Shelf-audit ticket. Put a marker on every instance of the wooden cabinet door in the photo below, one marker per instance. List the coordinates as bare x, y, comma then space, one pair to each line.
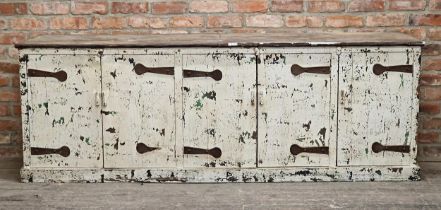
377, 107
139, 110
296, 109
64, 122
219, 118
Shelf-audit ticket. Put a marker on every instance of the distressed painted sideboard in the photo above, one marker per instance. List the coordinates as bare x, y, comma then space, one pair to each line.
220, 108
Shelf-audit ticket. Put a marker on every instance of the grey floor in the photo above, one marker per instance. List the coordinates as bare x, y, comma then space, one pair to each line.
425, 194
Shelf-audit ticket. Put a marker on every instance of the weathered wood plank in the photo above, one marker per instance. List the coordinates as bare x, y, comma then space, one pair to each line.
295, 111
223, 40
139, 110
64, 123
377, 108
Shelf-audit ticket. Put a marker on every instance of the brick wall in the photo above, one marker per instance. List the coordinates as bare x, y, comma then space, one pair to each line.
21, 20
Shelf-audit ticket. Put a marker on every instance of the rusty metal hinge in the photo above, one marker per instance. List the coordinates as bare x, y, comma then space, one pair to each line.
141, 148
297, 70
215, 152
296, 149
141, 69
216, 74
59, 75
63, 151
377, 147
380, 69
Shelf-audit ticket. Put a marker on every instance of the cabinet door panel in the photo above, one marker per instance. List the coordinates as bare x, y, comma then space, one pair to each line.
65, 124
218, 112
377, 108
139, 117
295, 109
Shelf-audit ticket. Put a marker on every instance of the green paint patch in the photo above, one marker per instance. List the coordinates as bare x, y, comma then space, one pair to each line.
198, 104
46, 105
402, 80
406, 137
58, 122
210, 95
87, 140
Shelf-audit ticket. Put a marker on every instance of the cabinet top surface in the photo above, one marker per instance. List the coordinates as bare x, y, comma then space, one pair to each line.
223, 40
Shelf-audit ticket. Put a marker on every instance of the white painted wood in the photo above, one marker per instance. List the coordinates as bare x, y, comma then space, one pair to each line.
225, 175
219, 113
296, 109
376, 108
63, 113
140, 109
136, 109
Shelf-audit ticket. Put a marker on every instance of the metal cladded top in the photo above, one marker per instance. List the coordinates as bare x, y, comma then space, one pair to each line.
222, 40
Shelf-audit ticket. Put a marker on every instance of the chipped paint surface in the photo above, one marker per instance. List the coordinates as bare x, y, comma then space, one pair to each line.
377, 108
213, 175
295, 109
63, 113
219, 114
142, 111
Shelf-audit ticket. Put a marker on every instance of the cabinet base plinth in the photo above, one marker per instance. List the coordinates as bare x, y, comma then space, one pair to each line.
209, 175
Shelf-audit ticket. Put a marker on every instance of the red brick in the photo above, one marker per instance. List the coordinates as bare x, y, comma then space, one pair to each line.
187, 22
430, 107
430, 93
50, 8
342, 21
209, 6
264, 20
434, 123
426, 20
11, 152
249, 5
15, 81
431, 49
314, 21
223, 21
3, 24
386, 20
13, 53
109, 22
287, 5
4, 109
129, 8
9, 67
16, 110
427, 137
430, 79
28, 24
326, 6
10, 95
68, 23
431, 64
4, 80
89, 7
419, 33
177, 7
435, 5
366, 6
13, 8
11, 37
401, 5
434, 34
10, 125
296, 21
147, 22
